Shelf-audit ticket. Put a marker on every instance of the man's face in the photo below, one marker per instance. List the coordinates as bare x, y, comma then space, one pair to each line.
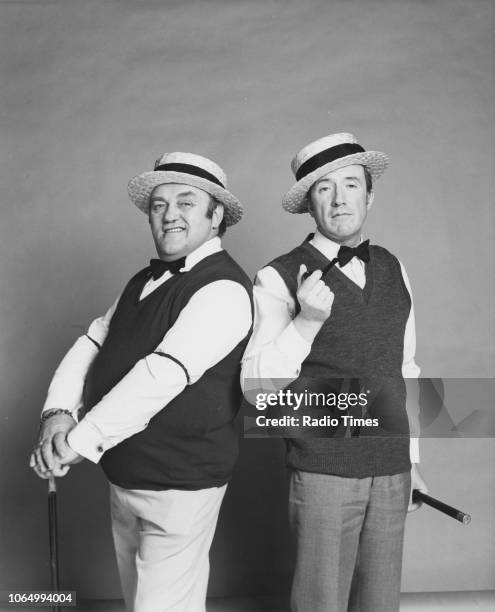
178, 219
339, 204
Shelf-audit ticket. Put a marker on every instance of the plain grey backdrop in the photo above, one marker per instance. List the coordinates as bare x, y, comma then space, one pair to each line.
92, 92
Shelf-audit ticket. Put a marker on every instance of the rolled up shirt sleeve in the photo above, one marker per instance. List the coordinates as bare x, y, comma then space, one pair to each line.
210, 326
276, 350
66, 387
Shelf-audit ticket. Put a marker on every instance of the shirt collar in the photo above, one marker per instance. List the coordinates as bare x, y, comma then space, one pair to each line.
214, 245
327, 247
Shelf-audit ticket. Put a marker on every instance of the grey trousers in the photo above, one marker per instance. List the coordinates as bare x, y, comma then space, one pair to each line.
349, 534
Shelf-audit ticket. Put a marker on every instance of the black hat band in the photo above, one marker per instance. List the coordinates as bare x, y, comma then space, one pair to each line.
190, 169
327, 156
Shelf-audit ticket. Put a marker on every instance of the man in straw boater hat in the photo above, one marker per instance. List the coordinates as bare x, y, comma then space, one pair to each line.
339, 310
152, 389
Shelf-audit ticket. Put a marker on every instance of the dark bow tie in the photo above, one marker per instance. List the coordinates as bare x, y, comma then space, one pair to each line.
346, 253
159, 267
344, 256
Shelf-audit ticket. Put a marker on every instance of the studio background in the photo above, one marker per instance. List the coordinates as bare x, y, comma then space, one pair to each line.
93, 92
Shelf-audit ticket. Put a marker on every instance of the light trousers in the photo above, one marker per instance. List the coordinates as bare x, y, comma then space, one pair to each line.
162, 541
349, 536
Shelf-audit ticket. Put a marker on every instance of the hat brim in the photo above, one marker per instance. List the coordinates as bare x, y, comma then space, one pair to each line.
295, 200
141, 186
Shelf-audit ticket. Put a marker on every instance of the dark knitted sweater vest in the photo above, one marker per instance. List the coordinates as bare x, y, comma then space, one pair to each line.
191, 443
362, 339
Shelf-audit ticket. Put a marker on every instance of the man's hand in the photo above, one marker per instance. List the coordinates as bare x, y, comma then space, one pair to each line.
417, 482
42, 459
64, 453
315, 301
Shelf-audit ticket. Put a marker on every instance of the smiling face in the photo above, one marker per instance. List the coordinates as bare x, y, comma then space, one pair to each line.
339, 204
179, 221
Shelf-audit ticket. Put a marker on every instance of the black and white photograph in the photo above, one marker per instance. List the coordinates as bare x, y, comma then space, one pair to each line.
247, 323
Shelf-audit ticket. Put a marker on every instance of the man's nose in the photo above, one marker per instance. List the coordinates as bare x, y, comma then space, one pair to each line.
338, 197
170, 213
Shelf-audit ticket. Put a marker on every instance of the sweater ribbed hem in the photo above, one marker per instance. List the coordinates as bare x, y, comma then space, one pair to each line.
359, 458
166, 485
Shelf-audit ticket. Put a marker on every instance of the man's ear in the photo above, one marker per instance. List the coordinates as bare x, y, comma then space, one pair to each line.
369, 199
309, 204
217, 216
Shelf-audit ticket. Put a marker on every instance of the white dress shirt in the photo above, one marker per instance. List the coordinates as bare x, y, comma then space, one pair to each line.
276, 350
214, 321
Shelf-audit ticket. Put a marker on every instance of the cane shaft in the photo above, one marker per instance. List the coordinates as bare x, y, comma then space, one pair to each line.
326, 269
460, 516
329, 266
52, 530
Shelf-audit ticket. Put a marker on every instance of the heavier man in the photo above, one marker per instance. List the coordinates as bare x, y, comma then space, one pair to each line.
152, 389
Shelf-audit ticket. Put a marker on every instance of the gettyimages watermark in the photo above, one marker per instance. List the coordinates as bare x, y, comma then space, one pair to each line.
363, 407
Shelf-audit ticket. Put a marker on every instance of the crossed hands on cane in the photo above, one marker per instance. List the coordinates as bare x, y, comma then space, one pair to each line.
52, 456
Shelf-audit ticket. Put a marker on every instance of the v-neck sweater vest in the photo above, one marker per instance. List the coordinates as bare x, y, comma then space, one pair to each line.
191, 443
361, 344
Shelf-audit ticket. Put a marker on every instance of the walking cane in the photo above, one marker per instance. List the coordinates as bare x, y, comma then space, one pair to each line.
52, 530
458, 515
326, 269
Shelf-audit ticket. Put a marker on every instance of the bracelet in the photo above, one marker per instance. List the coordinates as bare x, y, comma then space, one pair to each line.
49, 413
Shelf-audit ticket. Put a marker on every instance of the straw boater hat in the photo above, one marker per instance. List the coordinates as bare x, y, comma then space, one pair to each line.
322, 156
187, 169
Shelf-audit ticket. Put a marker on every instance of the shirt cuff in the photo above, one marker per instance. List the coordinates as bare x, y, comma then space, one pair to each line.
86, 440
293, 346
414, 450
